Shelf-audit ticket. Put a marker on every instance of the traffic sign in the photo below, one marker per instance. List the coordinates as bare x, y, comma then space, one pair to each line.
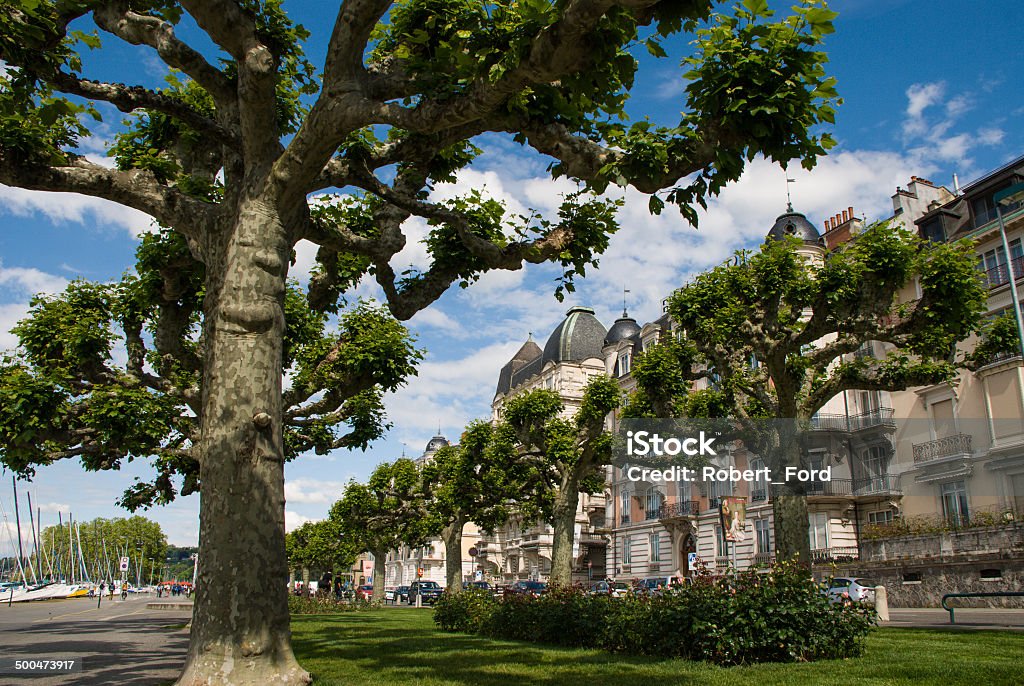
419, 572
691, 561
124, 564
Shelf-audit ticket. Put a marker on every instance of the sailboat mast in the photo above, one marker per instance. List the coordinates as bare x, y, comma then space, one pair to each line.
71, 548
35, 541
17, 523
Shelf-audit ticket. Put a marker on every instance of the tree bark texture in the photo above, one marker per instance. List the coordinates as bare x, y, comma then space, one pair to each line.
379, 572
451, 536
240, 626
566, 501
789, 505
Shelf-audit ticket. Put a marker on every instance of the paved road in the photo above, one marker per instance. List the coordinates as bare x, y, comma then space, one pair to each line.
966, 618
122, 642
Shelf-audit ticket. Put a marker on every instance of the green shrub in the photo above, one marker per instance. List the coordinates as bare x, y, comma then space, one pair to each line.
781, 616
467, 611
323, 605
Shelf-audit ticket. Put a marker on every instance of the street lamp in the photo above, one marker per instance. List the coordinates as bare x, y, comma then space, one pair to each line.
1008, 196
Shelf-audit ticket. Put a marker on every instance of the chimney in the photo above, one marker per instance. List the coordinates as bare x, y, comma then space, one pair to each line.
851, 211
828, 226
846, 217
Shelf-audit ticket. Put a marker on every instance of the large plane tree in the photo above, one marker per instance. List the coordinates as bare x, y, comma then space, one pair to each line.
229, 153
778, 333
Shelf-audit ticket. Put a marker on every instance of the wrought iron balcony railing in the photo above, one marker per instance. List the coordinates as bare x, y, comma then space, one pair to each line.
881, 416
839, 554
686, 508
881, 484
947, 446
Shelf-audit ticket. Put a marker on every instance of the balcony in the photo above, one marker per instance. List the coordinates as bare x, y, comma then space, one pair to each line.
880, 485
764, 559
831, 488
881, 416
843, 554
652, 513
957, 445
758, 495
1000, 275
624, 519
686, 508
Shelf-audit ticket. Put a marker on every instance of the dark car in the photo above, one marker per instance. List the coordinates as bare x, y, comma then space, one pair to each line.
534, 588
402, 594
482, 586
427, 591
615, 589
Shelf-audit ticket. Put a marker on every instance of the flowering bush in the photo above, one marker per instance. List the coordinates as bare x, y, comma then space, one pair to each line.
781, 616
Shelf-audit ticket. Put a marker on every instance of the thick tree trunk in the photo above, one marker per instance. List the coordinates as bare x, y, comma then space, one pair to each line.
379, 571
240, 632
789, 506
566, 501
451, 536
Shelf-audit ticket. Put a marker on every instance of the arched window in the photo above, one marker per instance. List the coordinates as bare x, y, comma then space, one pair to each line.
624, 506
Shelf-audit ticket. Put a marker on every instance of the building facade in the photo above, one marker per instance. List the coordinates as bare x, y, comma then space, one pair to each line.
951, 452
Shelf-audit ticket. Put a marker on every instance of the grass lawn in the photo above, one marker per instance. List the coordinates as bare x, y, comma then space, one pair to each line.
399, 646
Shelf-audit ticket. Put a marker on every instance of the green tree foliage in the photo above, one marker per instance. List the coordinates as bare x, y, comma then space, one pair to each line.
565, 456
319, 546
779, 333
228, 153
64, 394
475, 481
98, 544
390, 510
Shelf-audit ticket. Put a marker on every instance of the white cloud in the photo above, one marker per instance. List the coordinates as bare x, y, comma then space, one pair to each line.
991, 136
54, 507
449, 392
10, 314
71, 207
30, 280
310, 490
293, 520
921, 96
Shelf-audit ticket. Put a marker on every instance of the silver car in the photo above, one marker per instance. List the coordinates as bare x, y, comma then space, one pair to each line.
857, 589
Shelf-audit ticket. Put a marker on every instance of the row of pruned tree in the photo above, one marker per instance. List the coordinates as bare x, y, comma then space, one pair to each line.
776, 333
534, 463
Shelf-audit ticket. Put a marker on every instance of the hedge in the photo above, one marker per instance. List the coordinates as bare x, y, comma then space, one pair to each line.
778, 616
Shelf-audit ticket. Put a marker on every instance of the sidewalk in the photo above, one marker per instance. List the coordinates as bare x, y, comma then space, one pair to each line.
121, 642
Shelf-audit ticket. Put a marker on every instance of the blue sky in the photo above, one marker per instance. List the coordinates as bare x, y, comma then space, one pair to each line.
930, 89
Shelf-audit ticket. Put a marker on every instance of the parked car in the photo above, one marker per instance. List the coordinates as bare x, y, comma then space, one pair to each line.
482, 586
402, 594
615, 589
429, 591
534, 588
652, 585
857, 589
364, 592
389, 595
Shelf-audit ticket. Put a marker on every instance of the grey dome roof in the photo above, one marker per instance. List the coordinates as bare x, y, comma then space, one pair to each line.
578, 337
795, 224
436, 443
623, 328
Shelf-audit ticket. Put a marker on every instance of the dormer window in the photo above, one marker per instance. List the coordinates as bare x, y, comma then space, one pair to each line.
623, 363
